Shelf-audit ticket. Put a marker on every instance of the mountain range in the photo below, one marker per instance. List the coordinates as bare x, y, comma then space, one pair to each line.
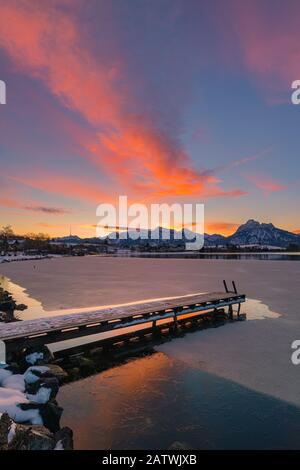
252, 233
256, 233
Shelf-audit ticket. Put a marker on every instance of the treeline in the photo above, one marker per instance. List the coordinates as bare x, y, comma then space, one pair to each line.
29, 241
37, 242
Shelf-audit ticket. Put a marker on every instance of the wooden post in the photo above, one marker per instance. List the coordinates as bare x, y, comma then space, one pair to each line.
225, 285
230, 312
175, 319
175, 323
234, 287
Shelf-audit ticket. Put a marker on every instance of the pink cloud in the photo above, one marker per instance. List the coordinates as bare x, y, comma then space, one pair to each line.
266, 183
267, 35
69, 187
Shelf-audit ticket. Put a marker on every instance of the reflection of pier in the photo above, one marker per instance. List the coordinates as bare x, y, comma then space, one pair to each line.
138, 319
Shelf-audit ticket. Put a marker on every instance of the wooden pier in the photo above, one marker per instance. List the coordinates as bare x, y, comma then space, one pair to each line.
149, 316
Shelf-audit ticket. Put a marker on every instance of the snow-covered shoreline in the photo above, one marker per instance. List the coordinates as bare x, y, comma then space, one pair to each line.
29, 413
23, 257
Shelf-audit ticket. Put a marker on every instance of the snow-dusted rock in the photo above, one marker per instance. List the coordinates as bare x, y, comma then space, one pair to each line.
64, 439
34, 357
32, 438
5, 424
28, 416
15, 436
51, 414
42, 396
11, 402
55, 371
34, 373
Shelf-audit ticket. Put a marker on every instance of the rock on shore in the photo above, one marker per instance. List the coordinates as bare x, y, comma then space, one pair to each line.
15, 436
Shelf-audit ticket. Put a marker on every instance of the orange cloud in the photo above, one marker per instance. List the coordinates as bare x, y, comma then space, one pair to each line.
45, 41
224, 228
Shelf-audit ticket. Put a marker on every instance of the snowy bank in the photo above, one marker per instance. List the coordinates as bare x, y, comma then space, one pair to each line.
29, 413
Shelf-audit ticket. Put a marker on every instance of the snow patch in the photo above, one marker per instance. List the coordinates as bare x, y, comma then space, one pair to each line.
59, 446
12, 432
15, 382
4, 374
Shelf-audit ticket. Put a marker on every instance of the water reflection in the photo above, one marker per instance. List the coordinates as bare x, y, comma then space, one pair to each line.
292, 256
157, 402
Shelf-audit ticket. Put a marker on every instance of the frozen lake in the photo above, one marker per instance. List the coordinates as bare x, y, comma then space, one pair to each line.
239, 370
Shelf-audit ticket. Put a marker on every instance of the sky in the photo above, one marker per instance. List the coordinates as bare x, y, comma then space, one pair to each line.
165, 101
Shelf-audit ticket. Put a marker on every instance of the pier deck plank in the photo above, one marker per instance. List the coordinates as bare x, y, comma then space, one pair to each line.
48, 325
